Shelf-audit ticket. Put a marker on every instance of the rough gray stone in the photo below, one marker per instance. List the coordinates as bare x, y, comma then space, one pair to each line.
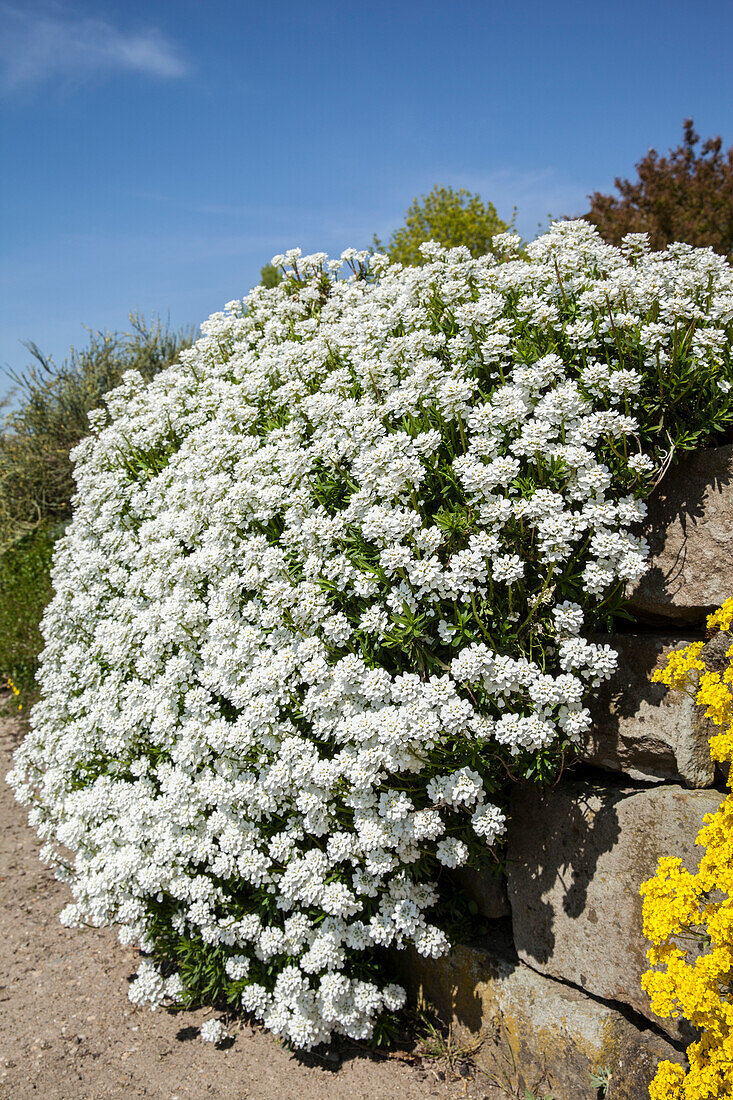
690, 532
643, 729
576, 858
538, 1034
715, 651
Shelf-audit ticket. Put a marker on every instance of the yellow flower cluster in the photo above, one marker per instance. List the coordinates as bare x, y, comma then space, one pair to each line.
15, 690
697, 909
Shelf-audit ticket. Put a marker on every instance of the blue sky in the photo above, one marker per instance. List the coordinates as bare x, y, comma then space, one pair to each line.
155, 155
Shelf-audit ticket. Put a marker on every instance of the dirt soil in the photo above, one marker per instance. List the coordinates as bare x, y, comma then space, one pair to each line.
69, 1032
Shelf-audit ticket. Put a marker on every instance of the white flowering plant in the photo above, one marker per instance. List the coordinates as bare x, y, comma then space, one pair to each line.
327, 592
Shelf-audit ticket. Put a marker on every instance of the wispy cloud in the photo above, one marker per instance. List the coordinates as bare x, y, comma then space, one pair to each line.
36, 46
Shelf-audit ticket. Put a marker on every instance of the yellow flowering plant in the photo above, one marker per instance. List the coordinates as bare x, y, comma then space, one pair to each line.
13, 687
681, 907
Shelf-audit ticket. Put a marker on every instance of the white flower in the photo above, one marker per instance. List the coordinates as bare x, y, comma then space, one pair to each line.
256, 999
213, 1031
568, 617
394, 997
237, 966
488, 822
508, 568
149, 986
451, 852
640, 464
432, 943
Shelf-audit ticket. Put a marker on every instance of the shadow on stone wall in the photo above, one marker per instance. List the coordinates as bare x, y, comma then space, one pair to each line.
641, 728
576, 859
557, 859
688, 531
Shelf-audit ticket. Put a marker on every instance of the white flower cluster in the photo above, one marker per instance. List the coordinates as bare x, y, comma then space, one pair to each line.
213, 1031
325, 577
151, 988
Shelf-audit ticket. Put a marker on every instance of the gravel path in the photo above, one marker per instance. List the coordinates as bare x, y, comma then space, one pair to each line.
70, 1033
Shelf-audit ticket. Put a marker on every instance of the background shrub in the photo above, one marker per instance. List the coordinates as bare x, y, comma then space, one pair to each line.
685, 196
36, 479
450, 217
25, 589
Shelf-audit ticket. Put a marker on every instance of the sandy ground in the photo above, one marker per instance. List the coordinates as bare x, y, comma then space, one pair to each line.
68, 1031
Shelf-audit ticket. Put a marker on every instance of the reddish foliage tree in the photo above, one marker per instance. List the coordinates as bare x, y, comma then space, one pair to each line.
684, 196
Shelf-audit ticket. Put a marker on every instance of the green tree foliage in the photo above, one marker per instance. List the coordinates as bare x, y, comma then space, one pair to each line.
36, 482
270, 276
685, 196
450, 217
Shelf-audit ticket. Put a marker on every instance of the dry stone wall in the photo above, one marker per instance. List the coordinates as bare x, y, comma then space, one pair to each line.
554, 987
640, 729
574, 888
689, 533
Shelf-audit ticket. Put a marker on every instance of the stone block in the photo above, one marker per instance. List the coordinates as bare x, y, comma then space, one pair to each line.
576, 858
690, 532
643, 729
538, 1034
